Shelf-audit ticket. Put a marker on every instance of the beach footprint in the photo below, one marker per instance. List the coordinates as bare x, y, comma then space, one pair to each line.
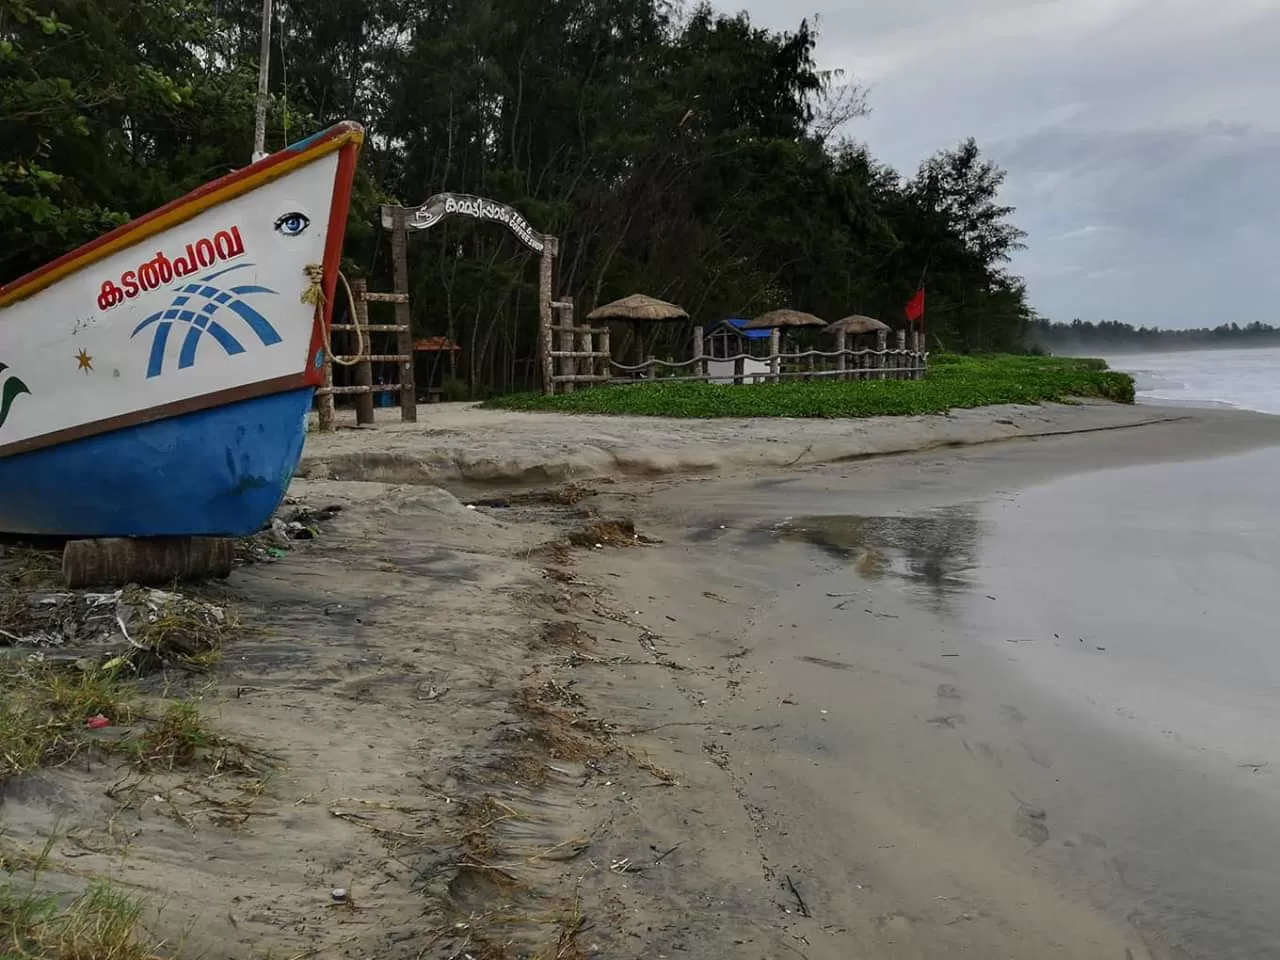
1031, 823
1011, 716
982, 751
948, 698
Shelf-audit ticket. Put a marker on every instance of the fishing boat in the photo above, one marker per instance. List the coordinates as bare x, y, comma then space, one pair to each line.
156, 381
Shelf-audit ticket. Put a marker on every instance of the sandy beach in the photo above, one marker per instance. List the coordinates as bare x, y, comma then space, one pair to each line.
996, 684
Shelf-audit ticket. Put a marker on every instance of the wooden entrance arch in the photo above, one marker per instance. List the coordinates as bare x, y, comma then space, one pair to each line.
400, 220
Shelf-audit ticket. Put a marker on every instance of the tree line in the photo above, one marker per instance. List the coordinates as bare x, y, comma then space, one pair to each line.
1111, 336
682, 153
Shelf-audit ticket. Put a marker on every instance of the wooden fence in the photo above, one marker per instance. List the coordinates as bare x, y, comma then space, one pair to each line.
572, 354
582, 356
359, 333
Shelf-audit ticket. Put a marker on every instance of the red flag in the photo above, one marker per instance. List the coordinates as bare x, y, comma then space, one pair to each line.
915, 307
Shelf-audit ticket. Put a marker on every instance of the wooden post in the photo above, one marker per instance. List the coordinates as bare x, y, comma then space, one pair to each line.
324, 409
882, 344
549, 244
583, 365
775, 348
581, 338
842, 361
364, 369
915, 355
604, 347
568, 365
404, 336
638, 358
900, 343
699, 358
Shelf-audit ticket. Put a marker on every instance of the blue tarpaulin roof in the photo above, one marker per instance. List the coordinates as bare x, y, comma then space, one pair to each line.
749, 334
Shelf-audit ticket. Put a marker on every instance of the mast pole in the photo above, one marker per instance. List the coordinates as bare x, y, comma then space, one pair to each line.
264, 73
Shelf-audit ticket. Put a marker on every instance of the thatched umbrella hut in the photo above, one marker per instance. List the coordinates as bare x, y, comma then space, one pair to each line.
635, 310
775, 321
638, 307
858, 326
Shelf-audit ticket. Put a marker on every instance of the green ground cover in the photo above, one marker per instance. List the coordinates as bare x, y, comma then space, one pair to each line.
953, 381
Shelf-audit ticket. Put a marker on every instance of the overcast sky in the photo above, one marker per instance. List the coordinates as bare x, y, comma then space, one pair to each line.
1142, 137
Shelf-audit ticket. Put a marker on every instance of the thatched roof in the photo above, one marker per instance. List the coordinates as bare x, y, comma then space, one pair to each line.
857, 325
784, 318
638, 307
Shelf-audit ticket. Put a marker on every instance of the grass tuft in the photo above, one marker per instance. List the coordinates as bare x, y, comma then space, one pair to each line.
102, 923
46, 707
178, 739
45, 721
182, 740
953, 382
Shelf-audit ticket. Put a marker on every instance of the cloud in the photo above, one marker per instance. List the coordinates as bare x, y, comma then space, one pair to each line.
1140, 136
1176, 217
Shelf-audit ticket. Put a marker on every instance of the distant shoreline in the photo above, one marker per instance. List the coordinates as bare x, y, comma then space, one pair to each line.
1117, 351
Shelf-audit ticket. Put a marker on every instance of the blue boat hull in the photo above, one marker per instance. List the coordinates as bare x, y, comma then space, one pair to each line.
216, 472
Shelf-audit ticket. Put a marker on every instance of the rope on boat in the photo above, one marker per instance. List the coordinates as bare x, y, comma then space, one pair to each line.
314, 294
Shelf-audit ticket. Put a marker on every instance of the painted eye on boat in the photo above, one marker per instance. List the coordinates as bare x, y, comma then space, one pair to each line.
292, 224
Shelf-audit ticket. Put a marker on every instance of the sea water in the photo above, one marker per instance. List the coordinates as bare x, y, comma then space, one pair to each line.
1248, 378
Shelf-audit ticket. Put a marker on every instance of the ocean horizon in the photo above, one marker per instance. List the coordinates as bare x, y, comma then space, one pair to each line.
1247, 378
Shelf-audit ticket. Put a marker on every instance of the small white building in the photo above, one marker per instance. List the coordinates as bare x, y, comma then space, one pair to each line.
733, 354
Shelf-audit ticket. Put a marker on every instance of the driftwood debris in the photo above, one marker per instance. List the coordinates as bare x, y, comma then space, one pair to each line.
117, 561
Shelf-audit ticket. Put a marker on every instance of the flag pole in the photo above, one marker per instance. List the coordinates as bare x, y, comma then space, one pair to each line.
264, 74
923, 304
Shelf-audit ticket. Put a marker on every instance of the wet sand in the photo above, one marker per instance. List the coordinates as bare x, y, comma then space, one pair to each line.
984, 704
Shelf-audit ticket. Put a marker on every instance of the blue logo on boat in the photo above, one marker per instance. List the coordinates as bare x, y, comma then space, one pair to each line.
195, 305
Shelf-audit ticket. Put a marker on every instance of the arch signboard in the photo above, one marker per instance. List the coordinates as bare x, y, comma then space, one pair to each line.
400, 220
444, 205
